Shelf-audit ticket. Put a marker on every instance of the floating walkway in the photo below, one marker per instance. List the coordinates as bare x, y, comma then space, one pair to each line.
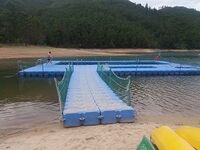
88, 94
90, 101
159, 68
122, 68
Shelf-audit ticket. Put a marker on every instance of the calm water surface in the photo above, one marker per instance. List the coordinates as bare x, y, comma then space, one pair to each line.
25, 102
172, 99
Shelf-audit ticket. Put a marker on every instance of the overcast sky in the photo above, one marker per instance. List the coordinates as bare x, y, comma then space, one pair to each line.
159, 3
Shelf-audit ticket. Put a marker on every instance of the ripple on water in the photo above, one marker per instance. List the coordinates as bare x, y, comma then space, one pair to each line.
27, 114
171, 95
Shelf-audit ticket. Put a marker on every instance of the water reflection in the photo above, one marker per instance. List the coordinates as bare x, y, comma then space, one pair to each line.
25, 102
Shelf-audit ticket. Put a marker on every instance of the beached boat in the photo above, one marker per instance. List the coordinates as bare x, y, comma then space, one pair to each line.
166, 139
145, 144
191, 135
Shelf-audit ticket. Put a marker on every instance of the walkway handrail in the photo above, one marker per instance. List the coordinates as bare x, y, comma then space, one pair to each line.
62, 86
120, 86
20, 65
23, 65
182, 63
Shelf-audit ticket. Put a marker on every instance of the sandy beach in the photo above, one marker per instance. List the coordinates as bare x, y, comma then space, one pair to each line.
53, 136
41, 51
7, 52
102, 137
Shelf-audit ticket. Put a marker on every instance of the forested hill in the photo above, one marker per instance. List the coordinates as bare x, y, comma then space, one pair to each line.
98, 24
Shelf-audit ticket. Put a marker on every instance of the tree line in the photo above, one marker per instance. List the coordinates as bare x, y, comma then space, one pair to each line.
98, 24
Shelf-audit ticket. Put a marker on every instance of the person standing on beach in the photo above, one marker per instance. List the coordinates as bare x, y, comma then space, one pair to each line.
49, 58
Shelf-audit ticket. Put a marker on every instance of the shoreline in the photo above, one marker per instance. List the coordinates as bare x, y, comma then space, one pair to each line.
16, 52
54, 136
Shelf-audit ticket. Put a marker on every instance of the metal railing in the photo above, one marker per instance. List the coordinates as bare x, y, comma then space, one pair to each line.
120, 86
41, 62
23, 65
62, 87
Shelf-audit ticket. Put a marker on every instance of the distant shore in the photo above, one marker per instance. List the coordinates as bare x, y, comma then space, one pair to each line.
7, 52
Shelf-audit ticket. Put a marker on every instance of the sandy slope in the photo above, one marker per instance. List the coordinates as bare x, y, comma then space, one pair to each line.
53, 136
38, 51
41, 51
101, 137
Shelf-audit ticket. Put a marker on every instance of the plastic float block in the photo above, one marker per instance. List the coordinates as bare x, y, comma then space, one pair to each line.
114, 116
127, 115
79, 119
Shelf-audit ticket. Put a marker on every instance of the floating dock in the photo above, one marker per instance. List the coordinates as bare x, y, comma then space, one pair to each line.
90, 101
162, 68
122, 68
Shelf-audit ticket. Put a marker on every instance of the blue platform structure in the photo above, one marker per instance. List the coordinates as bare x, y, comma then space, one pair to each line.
90, 101
87, 92
133, 68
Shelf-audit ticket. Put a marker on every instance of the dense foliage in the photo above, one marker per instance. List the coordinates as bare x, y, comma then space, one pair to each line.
97, 24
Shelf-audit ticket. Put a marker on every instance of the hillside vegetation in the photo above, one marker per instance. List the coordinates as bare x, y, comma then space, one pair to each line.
98, 24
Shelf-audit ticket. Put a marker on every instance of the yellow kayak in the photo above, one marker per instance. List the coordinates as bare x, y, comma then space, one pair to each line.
166, 139
191, 135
